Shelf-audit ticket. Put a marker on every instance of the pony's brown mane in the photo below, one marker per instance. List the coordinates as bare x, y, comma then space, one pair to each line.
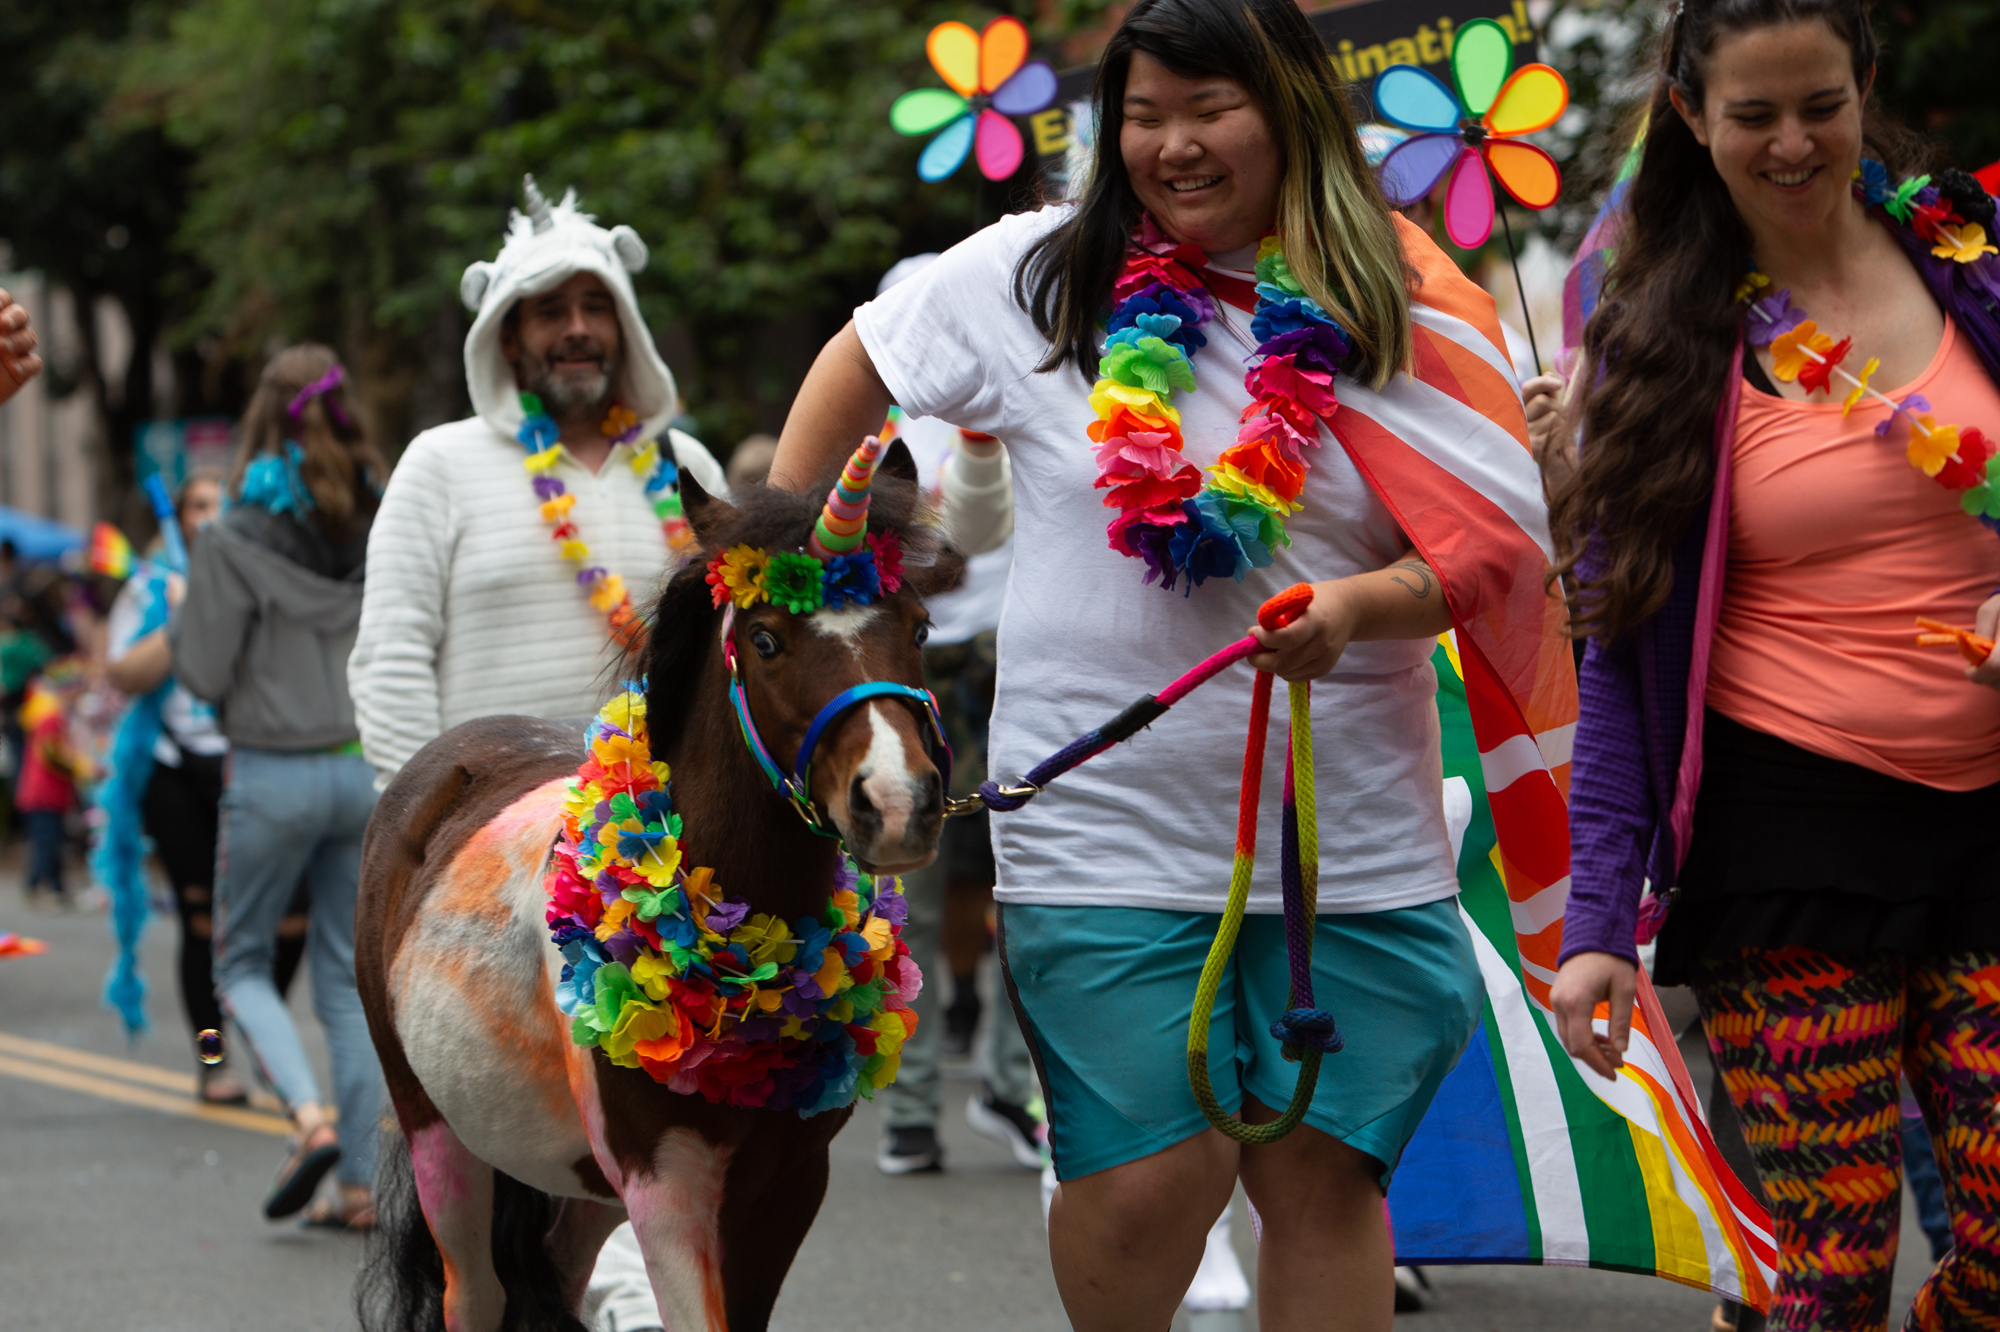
684, 623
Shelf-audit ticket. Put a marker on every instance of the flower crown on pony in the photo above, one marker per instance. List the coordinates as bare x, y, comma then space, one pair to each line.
843, 563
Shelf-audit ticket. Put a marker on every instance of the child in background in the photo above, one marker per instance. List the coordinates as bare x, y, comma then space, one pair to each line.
52, 767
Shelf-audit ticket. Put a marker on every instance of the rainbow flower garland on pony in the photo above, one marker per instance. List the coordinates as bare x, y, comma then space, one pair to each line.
542, 438
664, 974
1959, 459
1179, 523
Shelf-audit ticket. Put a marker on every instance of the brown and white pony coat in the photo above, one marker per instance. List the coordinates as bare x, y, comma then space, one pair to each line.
526, 1150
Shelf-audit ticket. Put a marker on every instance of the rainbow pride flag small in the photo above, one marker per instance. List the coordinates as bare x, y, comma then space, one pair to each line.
1528, 1157
110, 552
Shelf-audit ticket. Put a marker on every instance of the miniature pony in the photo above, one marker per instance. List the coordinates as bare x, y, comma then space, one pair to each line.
524, 1149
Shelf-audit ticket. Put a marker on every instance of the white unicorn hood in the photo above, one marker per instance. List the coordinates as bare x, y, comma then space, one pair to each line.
545, 247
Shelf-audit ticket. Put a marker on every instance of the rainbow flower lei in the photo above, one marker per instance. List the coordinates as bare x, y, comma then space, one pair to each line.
1169, 516
1959, 459
662, 973
541, 436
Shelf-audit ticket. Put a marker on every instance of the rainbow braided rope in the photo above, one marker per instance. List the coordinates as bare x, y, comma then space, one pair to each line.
1180, 524
664, 974
541, 436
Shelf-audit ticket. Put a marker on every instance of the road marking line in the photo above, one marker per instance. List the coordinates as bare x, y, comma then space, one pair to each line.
124, 1069
186, 1106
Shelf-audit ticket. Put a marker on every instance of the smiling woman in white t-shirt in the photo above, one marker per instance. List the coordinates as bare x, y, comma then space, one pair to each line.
1231, 127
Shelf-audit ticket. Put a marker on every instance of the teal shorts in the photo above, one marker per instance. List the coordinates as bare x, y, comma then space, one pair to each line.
1104, 995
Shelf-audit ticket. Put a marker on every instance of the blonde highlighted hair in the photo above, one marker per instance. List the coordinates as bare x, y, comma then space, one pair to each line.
1334, 224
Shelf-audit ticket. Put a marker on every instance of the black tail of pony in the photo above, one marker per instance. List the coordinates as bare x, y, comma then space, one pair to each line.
401, 1284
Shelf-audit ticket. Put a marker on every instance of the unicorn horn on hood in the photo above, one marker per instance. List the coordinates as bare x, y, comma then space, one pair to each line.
844, 521
538, 205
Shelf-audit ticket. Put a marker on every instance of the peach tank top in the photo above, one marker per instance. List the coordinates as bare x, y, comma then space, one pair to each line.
1836, 545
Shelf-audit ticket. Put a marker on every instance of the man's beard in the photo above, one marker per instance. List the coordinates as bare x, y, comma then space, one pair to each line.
568, 397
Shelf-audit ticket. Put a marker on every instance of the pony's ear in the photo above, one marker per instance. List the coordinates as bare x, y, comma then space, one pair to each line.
703, 511
938, 577
898, 463
676, 650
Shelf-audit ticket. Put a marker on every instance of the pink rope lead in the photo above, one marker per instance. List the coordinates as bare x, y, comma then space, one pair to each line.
1276, 613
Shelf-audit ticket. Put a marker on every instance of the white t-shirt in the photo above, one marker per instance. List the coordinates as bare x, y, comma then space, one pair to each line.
1151, 823
187, 724
973, 606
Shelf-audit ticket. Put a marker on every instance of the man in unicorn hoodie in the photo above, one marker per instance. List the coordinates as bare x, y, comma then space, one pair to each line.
471, 608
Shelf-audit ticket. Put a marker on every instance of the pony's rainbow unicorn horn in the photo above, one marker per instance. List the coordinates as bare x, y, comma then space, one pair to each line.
844, 521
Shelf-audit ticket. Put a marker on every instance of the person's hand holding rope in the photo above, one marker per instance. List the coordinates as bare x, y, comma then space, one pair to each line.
1404, 600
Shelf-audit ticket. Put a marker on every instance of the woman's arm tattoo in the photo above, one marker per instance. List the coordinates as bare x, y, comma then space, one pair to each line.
1421, 579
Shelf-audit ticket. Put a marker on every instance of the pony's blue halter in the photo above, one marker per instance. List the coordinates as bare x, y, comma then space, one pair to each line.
796, 786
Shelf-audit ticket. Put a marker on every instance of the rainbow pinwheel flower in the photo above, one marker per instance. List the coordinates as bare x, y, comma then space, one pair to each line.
991, 79
1473, 131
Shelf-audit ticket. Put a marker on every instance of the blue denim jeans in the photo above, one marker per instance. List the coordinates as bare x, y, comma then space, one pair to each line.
45, 848
283, 816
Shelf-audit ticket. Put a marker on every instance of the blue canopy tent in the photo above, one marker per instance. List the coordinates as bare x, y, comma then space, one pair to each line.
37, 538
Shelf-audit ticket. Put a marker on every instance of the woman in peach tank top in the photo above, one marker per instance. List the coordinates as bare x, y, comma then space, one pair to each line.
1814, 797
1836, 546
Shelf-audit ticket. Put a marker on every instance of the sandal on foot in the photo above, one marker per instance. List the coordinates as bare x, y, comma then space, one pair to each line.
298, 1177
219, 1087
324, 1215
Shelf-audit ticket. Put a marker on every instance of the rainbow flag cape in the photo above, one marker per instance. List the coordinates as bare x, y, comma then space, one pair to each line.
1526, 1157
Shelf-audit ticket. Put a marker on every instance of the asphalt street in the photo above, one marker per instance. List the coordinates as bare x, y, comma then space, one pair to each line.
125, 1205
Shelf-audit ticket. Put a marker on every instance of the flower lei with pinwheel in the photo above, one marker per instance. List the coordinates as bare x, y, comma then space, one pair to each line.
1952, 216
541, 436
1182, 523
663, 973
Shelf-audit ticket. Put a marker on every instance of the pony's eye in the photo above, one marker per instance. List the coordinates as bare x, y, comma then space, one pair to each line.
765, 642
923, 633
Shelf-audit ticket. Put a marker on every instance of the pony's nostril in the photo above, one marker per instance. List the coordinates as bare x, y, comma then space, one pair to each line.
933, 794
860, 809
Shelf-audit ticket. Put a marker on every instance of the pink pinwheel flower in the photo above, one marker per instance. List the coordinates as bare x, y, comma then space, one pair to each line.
991, 79
1472, 131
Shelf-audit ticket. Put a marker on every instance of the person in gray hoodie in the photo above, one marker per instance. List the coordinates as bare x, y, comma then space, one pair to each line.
263, 634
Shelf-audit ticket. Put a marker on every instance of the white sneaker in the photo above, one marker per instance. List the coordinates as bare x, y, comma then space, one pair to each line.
1219, 1284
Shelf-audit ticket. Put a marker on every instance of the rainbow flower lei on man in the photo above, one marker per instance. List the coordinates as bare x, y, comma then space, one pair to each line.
542, 438
1179, 523
662, 973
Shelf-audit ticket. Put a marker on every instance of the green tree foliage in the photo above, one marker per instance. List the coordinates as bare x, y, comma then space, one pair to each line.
1936, 63
352, 156
89, 197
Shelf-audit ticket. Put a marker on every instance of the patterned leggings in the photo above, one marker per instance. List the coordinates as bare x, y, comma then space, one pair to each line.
1811, 1047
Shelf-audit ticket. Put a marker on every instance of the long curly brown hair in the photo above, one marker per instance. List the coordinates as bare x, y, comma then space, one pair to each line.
1657, 352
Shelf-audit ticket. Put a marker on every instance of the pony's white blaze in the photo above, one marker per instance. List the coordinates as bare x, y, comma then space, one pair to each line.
475, 1009
676, 1212
845, 625
888, 774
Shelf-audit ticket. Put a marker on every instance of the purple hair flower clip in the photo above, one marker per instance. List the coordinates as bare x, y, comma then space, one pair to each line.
326, 383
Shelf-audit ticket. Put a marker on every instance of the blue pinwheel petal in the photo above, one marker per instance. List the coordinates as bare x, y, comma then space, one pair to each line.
944, 154
1413, 168
1416, 99
1027, 90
